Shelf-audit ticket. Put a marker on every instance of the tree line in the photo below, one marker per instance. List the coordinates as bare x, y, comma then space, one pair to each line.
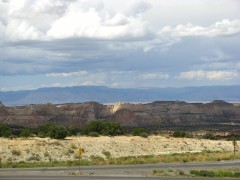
93, 128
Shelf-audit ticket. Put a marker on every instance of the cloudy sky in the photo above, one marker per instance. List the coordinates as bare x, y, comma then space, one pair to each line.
138, 43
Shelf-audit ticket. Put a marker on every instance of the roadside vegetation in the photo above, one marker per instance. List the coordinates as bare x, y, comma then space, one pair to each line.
216, 173
223, 173
109, 160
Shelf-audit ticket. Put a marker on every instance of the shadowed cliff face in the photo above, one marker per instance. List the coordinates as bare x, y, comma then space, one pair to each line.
156, 114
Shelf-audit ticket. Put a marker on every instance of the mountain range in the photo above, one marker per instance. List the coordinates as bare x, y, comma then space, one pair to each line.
101, 94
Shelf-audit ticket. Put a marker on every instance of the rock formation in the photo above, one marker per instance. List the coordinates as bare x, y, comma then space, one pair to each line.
156, 114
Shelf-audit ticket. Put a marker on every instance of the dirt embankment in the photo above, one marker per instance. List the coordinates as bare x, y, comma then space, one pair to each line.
45, 149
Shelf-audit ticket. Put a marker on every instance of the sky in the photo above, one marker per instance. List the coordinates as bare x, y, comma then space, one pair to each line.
136, 44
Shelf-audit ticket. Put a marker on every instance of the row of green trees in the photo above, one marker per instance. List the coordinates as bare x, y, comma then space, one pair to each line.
48, 130
93, 128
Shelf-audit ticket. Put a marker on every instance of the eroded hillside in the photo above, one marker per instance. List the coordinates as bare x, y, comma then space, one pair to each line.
160, 114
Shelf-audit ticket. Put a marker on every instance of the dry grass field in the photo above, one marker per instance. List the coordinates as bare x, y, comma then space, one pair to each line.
48, 150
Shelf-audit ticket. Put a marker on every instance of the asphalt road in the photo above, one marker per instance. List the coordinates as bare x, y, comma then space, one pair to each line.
105, 177
109, 172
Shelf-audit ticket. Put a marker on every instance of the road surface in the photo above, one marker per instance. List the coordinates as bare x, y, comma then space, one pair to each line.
105, 177
109, 172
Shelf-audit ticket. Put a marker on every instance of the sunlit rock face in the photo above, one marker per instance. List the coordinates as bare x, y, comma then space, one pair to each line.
155, 114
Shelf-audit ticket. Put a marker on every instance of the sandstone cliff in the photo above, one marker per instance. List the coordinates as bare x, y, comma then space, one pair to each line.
157, 114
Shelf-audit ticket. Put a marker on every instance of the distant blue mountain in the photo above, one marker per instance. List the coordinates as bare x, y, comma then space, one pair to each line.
59, 95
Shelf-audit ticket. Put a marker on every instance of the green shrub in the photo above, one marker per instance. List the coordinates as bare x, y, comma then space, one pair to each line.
209, 136
44, 130
34, 157
12, 137
139, 131
94, 134
107, 154
16, 152
203, 173
102, 128
222, 173
41, 134
181, 172
46, 154
144, 134
179, 134
58, 132
158, 171
71, 151
234, 137
73, 146
93, 126
25, 133
237, 174
5, 130
72, 130
112, 128
96, 158
52, 131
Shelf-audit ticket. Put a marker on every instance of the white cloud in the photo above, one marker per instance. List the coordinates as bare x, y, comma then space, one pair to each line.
22, 30
209, 75
90, 23
168, 36
57, 85
56, 7
60, 19
111, 78
149, 76
2, 29
111, 74
117, 20
70, 74
222, 28
17, 6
